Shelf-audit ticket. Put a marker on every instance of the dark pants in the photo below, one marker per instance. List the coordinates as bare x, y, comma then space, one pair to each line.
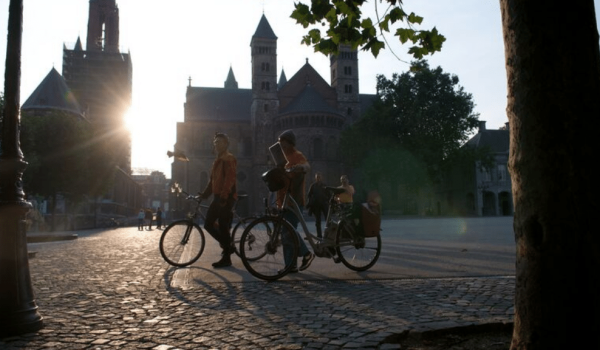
317, 211
222, 215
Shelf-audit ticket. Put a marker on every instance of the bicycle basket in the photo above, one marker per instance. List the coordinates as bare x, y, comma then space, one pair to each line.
275, 179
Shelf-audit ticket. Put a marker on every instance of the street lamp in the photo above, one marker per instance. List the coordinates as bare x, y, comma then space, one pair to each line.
18, 311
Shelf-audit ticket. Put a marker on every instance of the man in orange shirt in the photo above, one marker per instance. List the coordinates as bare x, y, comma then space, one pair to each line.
222, 185
298, 165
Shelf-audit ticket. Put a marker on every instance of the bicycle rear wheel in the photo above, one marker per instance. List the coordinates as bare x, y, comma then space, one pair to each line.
358, 253
262, 248
237, 232
182, 243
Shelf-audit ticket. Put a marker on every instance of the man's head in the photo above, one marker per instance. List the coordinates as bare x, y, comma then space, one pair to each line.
287, 140
221, 142
318, 177
344, 180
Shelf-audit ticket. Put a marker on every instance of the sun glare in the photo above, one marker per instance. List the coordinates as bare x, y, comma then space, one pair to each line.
152, 135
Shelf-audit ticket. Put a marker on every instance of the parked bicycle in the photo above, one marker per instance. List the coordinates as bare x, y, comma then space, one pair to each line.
262, 243
183, 241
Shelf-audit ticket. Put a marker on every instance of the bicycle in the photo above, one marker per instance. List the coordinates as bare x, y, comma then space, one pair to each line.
262, 243
183, 241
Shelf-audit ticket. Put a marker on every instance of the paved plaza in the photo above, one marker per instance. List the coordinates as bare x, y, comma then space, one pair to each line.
110, 289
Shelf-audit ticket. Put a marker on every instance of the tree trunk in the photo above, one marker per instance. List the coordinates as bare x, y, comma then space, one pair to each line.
553, 75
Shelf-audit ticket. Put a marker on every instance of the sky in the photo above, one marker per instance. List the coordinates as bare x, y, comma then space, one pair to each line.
173, 41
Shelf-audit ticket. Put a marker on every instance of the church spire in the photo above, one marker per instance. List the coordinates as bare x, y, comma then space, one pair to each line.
78, 46
282, 80
231, 83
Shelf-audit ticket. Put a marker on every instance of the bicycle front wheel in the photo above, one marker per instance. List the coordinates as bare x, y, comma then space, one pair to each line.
269, 248
237, 232
358, 253
182, 243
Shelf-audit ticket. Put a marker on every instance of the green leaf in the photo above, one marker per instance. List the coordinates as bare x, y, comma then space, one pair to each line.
405, 34
366, 23
397, 14
412, 18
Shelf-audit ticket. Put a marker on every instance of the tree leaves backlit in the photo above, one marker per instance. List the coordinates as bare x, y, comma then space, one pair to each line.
341, 22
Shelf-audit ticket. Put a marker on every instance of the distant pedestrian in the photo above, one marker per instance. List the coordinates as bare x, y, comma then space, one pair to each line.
317, 202
149, 218
141, 216
158, 218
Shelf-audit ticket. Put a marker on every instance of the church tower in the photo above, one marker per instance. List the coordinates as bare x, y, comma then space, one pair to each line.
344, 79
101, 79
265, 104
103, 26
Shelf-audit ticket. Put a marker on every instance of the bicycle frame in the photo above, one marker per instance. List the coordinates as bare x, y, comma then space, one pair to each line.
321, 247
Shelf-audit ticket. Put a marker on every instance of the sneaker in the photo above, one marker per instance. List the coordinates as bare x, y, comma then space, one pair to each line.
306, 260
224, 262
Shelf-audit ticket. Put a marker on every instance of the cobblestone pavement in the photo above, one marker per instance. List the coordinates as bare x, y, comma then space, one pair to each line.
111, 290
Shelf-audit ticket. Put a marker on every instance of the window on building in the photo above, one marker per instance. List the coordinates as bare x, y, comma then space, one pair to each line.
348, 88
486, 175
502, 174
265, 86
266, 107
347, 70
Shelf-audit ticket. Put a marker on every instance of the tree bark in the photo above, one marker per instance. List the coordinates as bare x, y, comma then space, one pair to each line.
553, 75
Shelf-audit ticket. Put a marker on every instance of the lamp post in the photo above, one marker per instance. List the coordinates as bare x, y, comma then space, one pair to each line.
18, 311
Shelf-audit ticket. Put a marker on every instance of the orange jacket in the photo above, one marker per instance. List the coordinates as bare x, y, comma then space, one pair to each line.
298, 187
222, 177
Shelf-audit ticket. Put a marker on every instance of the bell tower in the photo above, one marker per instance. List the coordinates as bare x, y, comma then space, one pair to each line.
265, 103
344, 79
103, 26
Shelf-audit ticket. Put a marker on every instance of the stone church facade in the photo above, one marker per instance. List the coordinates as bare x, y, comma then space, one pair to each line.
316, 110
100, 77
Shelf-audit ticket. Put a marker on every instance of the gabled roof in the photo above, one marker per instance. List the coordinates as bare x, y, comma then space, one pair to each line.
309, 101
306, 75
53, 93
264, 29
498, 141
231, 83
205, 103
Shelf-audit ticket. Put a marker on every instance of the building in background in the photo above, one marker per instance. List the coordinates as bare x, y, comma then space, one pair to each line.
474, 189
97, 84
316, 110
100, 77
156, 190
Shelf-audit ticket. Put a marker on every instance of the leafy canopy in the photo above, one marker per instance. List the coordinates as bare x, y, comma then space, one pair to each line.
344, 24
63, 156
420, 120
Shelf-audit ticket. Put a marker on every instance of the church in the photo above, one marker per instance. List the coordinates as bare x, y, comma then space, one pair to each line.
317, 112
